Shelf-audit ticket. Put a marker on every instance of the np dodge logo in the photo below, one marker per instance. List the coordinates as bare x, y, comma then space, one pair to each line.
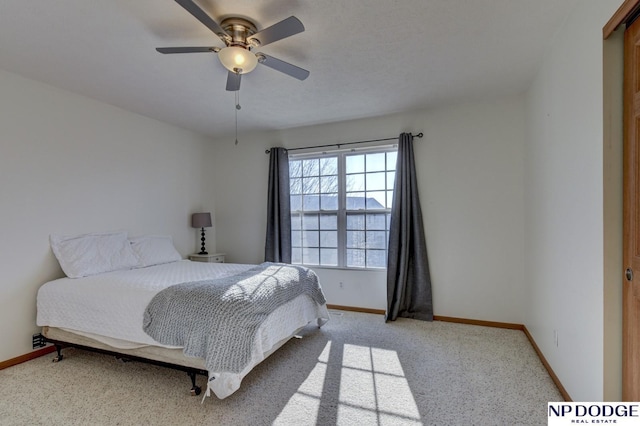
619, 413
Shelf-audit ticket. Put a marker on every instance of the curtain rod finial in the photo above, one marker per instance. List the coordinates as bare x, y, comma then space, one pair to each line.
419, 135
267, 151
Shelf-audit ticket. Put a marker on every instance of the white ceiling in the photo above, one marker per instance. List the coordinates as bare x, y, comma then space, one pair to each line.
366, 58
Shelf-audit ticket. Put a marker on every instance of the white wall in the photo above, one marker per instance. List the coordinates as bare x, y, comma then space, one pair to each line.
72, 165
564, 202
470, 176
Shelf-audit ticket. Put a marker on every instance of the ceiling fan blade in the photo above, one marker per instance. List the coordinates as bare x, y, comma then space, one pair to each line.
233, 81
282, 29
186, 49
282, 66
201, 16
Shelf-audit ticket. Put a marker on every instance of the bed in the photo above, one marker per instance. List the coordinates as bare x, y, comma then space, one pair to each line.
109, 311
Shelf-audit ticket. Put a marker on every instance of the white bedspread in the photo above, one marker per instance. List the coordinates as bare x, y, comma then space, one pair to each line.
110, 307
112, 304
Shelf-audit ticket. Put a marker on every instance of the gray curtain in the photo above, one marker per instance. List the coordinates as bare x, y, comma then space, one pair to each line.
278, 243
408, 277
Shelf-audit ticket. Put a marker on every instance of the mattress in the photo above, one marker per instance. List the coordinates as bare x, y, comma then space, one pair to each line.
109, 308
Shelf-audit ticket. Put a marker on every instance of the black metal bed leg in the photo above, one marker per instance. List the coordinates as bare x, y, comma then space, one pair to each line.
195, 390
59, 356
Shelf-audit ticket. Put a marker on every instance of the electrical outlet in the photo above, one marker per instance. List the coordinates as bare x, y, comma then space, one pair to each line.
555, 337
38, 341
341, 284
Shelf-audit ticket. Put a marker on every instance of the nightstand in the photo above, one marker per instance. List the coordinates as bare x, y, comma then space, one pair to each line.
210, 258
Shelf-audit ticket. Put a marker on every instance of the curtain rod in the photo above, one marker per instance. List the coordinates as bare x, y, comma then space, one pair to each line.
419, 135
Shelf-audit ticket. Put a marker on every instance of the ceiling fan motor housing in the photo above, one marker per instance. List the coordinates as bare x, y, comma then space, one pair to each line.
239, 30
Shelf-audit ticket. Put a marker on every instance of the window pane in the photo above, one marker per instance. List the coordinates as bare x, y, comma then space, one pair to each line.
329, 166
376, 181
355, 201
376, 200
296, 239
329, 257
329, 221
376, 259
311, 202
391, 179
295, 168
355, 182
356, 239
310, 239
328, 239
295, 186
329, 202
296, 202
376, 240
376, 221
311, 167
375, 162
355, 163
310, 185
356, 258
329, 184
388, 220
355, 222
310, 256
296, 221
296, 255
389, 199
310, 221
392, 158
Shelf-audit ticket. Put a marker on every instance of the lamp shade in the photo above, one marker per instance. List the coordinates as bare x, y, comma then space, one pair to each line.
237, 59
201, 220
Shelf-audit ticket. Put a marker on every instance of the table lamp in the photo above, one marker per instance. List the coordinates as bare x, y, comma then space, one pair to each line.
201, 220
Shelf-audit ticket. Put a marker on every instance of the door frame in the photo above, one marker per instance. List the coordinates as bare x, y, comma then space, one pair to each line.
625, 13
622, 15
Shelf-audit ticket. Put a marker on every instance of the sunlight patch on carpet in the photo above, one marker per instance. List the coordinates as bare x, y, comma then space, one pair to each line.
373, 386
373, 390
303, 406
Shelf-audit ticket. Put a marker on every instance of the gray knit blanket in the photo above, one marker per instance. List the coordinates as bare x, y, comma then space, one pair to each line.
218, 319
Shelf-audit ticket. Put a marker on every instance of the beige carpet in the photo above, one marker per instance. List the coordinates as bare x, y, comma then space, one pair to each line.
356, 370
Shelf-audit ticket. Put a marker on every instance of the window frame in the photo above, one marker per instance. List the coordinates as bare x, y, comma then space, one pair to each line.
342, 212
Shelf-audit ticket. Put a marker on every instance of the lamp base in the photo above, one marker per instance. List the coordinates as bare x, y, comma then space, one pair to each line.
202, 249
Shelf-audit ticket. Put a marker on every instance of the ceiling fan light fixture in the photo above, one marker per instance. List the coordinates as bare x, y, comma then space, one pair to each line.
237, 59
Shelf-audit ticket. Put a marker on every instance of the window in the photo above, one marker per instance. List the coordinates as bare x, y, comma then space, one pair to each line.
341, 208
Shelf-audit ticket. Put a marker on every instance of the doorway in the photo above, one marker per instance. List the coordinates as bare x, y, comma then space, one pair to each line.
621, 288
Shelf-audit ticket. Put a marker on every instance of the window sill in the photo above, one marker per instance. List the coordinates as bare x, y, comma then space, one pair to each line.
343, 268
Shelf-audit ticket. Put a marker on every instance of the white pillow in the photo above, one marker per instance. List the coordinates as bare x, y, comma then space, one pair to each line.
154, 250
91, 254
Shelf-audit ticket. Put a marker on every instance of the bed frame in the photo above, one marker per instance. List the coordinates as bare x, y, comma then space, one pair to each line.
156, 355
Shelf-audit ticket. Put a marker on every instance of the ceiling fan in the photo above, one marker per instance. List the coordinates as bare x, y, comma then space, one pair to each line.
241, 37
